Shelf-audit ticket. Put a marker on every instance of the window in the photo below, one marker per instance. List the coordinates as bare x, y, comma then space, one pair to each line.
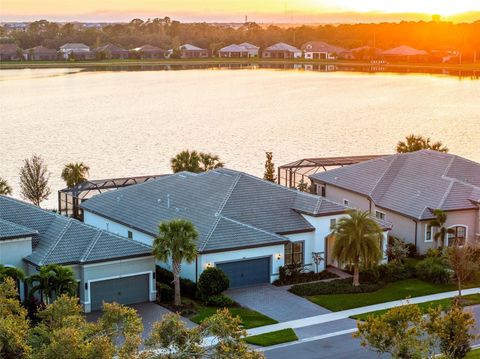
130, 235
333, 223
457, 235
321, 190
346, 202
294, 253
380, 215
428, 233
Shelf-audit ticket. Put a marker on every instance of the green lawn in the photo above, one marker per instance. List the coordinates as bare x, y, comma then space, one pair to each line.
444, 303
474, 354
392, 291
250, 318
273, 338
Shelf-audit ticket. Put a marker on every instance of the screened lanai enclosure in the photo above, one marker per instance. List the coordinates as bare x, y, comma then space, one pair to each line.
70, 199
297, 173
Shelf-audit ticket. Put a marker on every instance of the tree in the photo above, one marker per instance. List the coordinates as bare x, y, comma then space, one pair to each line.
464, 263
176, 242
269, 173
174, 340
358, 241
64, 281
209, 161
414, 143
195, 162
398, 250
303, 186
75, 173
16, 274
52, 281
439, 223
5, 189
34, 180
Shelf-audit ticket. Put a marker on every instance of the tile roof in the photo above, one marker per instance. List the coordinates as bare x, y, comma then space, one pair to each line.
321, 46
110, 48
249, 46
281, 46
39, 50
189, 47
63, 240
147, 48
412, 183
9, 230
229, 208
404, 51
74, 45
234, 48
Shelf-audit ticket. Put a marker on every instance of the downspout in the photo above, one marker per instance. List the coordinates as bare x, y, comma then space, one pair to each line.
196, 269
416, 235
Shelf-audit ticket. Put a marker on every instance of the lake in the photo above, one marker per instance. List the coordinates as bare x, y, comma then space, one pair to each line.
126, 123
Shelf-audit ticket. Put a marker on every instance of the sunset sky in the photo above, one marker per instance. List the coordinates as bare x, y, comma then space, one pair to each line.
235, 10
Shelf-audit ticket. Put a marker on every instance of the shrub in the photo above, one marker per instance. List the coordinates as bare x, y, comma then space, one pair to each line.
337, 286
412, 250
219, 300
163, 275
166, 293
433, 252
369, 275
187, 287
394, 271
397, 250
434, 269
212, 281
288, 276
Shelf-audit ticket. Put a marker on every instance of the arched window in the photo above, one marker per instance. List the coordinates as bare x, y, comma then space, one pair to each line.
457, 235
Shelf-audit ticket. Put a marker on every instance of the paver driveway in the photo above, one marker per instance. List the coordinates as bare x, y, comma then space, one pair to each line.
275, 302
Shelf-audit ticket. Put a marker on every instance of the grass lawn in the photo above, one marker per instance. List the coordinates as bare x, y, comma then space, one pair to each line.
474, 354
444, 303
273, 338
250, 318
392, 291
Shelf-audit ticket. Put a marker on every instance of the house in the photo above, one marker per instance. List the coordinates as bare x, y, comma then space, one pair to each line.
108, 267
188, 51
233, 51
404, 53
319, 50
10, 52
366, 52
77, 51
248, 227
252, 49
111, 51
404, 189
282, 51
40, 53
149, 52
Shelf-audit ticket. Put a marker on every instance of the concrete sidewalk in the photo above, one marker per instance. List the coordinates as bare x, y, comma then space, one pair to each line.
330, 317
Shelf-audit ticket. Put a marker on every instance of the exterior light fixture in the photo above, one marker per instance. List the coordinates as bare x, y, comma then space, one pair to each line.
209, 265
278, 256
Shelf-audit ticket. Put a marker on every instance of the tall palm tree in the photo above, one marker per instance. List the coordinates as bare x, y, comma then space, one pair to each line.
5, 189
186, 161
358, 241
64, 281
52, 281
176, 241
439, 223
414, 143
75, 173
209, 161
16, 274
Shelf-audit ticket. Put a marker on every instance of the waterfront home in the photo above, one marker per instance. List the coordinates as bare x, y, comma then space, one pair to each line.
405, 53
366, 53
40, 53
148, 52
281, 51
319, 50
111, 51
10, 52
77, 51
108, 267
405, 189
233, 51
252, 49
248, 227
188, 51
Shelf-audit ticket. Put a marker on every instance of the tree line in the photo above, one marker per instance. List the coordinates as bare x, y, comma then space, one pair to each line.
167, 33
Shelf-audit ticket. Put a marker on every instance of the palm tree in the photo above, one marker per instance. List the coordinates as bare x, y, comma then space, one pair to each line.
52, 281
16, 274
5, 189
186, 161
414, 143
64, 281
209, 161
75, 173
358, 241
439, 223
176, 241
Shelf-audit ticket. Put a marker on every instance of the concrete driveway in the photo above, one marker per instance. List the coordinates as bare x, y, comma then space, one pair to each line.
275, 302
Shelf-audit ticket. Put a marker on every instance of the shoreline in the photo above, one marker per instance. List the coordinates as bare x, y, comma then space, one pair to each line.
216, 61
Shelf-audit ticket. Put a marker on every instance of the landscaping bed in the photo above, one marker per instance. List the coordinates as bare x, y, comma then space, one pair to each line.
295, 274
273, 338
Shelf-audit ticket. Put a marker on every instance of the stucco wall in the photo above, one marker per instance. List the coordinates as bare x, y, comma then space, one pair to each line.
12, 251
338, 195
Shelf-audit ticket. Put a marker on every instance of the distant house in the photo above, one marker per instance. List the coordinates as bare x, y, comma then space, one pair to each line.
188, 51
10, 52
252, 49
233, 51
40, 53
405, 53
319, 50
77, 51
366, 53
149, 52
111, 51
282, 51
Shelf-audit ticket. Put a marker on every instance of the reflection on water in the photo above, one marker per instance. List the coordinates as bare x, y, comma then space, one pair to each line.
124, 123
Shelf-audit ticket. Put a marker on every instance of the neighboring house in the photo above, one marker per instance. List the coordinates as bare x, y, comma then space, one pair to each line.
366, 53
248, 227
404, 189
319, 50
40, 53
149, 52
108, 267
282, 51
111, 51
76, 50
404, 53
10, 52
233, 51
188, 51
252, 49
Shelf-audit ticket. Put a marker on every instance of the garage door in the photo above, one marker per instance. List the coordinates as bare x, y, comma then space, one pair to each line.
126, 290
247, 272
